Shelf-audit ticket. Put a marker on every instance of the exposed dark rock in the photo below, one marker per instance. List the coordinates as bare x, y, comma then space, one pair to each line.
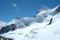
7, 28
3, 38
58, 9
50, 21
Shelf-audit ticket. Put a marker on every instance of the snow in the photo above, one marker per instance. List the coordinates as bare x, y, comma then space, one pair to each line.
2, 23
37, 30
13, 21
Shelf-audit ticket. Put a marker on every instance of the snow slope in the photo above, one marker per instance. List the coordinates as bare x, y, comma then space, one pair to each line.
3, 23
38, 27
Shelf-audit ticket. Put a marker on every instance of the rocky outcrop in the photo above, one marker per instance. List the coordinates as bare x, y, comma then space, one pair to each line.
7, 28
3, 38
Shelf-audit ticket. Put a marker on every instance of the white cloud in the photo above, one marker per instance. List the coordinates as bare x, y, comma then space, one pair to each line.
15, 5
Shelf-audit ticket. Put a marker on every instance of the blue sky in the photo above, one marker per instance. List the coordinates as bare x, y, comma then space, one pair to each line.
10, 9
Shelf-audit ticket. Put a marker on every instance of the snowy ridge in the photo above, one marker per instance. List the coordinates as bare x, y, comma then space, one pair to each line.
44, 26
2, 23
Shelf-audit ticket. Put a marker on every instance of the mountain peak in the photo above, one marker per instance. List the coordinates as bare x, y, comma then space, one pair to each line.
14, 20
43, 7
57, 9
17, 18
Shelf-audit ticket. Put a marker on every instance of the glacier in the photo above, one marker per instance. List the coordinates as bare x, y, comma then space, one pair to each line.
45, 25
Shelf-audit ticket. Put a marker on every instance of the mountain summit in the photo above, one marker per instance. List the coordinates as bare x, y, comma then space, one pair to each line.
44, 26
43, 8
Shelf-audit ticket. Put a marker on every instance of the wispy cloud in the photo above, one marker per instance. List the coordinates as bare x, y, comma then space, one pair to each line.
15, 5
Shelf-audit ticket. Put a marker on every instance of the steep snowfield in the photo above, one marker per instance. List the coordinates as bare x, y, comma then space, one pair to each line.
44, 26
36, 31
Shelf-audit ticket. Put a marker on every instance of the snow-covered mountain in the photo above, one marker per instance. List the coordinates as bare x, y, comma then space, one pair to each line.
2, 23
45, 25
